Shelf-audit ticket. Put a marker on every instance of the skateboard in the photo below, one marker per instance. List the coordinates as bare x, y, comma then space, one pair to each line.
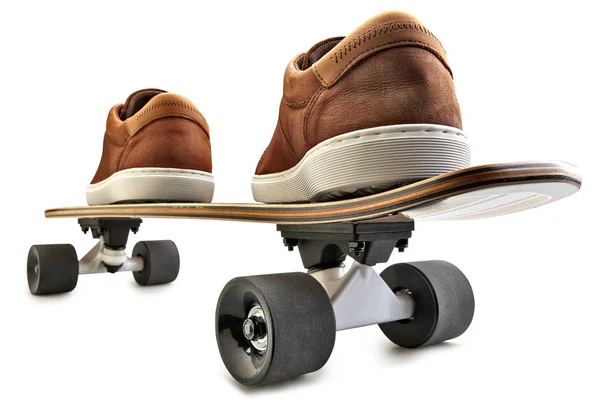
275, 327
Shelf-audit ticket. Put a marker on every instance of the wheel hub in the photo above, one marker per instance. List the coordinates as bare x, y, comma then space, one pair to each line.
254, 329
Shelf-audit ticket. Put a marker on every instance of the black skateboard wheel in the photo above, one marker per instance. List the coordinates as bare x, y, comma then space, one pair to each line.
444, 302
161, 262
52, 268
274, 327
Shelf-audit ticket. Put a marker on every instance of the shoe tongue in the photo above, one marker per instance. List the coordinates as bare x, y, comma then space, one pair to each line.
318, 51
136, 101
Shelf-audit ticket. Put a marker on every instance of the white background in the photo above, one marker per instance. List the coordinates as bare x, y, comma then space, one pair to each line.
526, 75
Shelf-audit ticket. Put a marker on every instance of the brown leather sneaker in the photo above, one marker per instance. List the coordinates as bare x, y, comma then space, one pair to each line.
362, 114
156, 148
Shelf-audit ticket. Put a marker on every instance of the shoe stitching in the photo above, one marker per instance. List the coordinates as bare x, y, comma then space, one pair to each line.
382, 29
287, 139
311, 105
314, 68
423, 45
172, 115
295, 104
167, 103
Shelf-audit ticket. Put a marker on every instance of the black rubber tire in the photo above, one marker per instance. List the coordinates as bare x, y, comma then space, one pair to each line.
161, 262
444, 302
57, 268
300, 327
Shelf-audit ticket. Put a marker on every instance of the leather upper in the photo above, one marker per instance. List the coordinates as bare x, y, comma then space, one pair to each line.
154, 128
390, 70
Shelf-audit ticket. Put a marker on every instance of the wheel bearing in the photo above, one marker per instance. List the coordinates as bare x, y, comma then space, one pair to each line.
254, 329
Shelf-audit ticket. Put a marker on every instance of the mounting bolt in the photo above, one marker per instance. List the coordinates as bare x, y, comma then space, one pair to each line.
290, 243
402, 244
356, 248
84, 229
254, 328
113, 268
135, 230
248, 329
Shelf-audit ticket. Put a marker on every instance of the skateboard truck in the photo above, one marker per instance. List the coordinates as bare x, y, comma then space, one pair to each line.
359, 296
55, 268
108, 255
102, 258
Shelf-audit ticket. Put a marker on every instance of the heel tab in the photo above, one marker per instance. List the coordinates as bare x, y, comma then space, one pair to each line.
383, 31
166, 105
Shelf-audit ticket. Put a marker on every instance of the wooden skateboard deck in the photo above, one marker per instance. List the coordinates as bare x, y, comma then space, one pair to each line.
475, 192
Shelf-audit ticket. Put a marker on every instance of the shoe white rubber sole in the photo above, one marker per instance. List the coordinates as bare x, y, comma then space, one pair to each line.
365, 162
152, 185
